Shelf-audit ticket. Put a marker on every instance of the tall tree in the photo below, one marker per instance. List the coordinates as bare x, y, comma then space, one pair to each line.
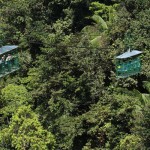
25, 132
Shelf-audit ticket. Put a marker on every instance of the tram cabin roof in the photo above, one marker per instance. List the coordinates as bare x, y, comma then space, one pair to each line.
129, 54
7, 48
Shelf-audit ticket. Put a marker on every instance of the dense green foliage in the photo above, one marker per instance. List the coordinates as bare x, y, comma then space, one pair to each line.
66, 95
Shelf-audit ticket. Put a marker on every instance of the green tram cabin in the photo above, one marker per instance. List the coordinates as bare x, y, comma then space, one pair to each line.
8, 59
128, 64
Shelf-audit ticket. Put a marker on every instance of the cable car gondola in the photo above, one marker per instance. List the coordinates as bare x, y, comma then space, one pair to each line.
8, 59
128, 64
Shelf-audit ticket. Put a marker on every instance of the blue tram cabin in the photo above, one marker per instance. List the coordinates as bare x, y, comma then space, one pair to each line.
8, 59
128, 64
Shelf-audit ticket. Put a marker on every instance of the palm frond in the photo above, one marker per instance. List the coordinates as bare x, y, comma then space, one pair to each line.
100, 21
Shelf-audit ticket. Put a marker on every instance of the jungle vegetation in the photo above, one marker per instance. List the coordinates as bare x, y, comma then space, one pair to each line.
66, 96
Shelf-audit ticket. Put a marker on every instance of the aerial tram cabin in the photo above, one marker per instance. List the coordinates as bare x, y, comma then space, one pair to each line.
128, 64
9, 61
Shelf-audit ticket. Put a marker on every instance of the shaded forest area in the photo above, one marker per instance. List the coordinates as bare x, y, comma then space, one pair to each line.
66, 96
